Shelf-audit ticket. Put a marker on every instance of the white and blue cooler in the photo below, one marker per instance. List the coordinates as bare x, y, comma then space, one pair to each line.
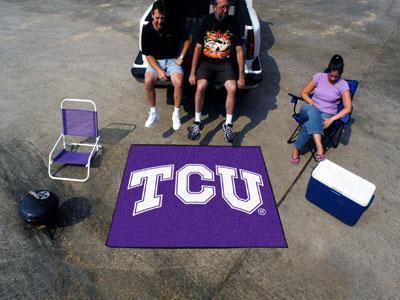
339, 192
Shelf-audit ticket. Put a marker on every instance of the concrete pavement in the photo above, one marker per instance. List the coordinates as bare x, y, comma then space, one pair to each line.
54, 50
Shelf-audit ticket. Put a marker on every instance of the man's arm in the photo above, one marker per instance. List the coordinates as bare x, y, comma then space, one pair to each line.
240, 61
185, 49
154, 64
195, 61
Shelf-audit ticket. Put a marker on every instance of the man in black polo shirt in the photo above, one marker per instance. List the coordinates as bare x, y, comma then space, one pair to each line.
160, 45
218, 35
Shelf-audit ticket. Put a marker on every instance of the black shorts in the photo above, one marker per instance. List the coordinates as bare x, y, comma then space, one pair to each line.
216, 72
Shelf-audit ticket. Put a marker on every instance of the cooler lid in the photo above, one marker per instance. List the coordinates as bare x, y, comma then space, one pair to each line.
343, 181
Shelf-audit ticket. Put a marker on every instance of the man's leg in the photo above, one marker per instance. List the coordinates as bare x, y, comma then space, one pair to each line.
204, 74
195, 129
199, 96
149, 87
177, 82
230, 86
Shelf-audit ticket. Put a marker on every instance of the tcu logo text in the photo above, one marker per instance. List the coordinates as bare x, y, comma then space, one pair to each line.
150, 177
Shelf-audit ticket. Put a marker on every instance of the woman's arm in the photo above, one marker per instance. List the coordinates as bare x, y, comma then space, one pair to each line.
305, 93
346, 110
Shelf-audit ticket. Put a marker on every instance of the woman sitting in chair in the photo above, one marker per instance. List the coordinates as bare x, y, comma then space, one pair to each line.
321, 109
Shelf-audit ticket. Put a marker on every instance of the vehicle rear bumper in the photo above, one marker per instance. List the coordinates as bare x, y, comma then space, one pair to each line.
252, 77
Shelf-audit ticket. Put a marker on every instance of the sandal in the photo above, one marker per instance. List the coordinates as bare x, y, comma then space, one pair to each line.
320, 157
295, 160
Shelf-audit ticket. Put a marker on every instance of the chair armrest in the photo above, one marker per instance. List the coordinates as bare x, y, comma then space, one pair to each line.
55, 146
95, 147
295, 100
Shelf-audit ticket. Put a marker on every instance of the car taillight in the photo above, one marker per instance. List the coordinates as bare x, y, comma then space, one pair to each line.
250, 44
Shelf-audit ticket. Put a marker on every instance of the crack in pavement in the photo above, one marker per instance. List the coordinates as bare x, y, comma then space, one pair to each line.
372, 63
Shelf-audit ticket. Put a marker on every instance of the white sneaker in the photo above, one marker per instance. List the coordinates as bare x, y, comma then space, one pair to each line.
176, 121
153, 118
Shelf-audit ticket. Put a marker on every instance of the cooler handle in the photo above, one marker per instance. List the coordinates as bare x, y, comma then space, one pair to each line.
336, 192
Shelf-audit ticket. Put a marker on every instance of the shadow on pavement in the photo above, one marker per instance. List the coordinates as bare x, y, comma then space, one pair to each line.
115, 132
73, 211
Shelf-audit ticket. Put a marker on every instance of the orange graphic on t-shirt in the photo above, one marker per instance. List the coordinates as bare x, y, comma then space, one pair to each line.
217, 44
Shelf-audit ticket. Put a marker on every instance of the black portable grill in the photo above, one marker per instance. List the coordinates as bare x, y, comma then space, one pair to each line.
39, 209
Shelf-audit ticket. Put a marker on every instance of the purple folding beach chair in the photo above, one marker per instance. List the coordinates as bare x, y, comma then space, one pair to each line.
77, 123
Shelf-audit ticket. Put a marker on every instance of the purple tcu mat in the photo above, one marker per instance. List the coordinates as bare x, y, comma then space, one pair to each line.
195, 197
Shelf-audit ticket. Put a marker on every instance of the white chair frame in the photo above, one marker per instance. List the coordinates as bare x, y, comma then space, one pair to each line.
95, 147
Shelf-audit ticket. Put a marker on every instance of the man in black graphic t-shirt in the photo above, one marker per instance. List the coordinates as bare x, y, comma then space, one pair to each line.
218, 36
160, 45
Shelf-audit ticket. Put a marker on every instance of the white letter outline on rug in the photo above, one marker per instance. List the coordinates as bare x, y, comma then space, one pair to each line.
182, 185
149, 178
253, 182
